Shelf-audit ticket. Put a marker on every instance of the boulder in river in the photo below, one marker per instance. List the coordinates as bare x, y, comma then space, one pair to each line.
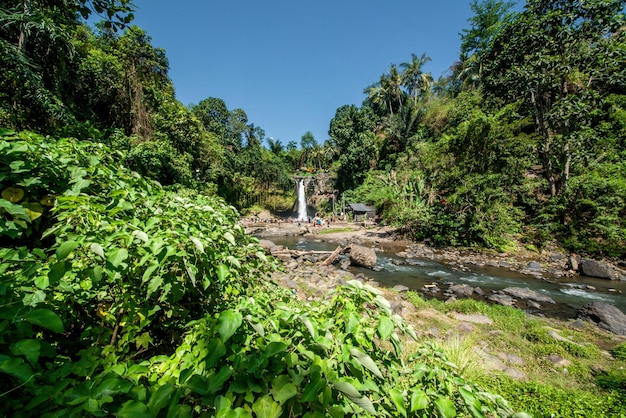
362, 256
605, 316
527, 294
599, 269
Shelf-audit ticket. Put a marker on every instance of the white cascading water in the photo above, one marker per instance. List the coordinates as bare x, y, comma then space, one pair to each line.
302, 216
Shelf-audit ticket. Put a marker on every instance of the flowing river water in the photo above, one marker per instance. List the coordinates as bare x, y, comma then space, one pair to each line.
569, 293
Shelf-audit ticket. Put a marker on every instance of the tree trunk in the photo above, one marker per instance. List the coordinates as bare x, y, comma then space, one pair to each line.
544, 153
22, 37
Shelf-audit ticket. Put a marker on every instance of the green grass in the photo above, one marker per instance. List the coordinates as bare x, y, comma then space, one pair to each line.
593, 384
335, 230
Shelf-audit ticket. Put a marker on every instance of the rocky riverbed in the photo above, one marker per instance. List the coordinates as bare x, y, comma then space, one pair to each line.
305, 275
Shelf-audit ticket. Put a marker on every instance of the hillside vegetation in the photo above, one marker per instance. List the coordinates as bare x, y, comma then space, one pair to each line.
128, 288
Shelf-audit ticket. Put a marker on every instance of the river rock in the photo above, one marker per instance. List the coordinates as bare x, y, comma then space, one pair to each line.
401, 288
534, 266
599, 269
344, 264
522, 293
501, 299
605, 316
362, 256
267, 245
573, 262
462, 290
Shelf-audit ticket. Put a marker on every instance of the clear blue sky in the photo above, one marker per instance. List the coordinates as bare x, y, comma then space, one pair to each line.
290, 64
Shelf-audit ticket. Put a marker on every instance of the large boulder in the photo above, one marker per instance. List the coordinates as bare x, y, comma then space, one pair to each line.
527, 294
605, 316
362, 256
599, 269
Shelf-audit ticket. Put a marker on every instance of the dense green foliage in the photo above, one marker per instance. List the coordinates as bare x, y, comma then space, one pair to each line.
523, 141
128, 288
120, 297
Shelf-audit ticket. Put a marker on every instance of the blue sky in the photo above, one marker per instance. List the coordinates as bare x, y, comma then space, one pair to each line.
290, 64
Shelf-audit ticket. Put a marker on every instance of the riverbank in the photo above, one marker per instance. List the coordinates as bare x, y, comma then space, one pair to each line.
542, 365
548, 264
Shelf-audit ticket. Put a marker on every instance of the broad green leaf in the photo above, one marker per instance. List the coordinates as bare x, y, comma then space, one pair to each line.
42, 282
65, 249
117, 256
14, 209
419, 400
13, 194
354, 396
141, 235
216, 350
16, 367
133, 409
222, 272
112, 386
57, 271
198, 244
45, 318
229, 322
97, 249
27, 348
191, 272
234, 261
216, 382
313, 389
160, 398
286, 392
366, 361
258, 327
309, 325
33, 299
180, 411
385, 327
445, 407
274, 348
398, 400
471, 401
79, 185
149, 270
154, 285
33, 209
230, 238
266, 407
197, 384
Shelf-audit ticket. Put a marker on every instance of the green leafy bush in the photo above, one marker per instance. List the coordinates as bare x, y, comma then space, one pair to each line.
130, 300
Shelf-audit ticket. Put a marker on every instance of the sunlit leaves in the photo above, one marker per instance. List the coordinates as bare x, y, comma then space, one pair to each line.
229, 322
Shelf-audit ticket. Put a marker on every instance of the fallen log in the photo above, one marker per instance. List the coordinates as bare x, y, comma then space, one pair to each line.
332, 257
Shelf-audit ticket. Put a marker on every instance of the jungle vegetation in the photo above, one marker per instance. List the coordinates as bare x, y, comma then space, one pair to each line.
127, 287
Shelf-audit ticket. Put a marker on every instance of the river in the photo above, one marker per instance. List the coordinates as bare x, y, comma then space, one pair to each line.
569, 293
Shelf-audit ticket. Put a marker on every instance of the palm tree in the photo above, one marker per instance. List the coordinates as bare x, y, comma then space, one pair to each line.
380, 94
416, 80
275, 145
395, 85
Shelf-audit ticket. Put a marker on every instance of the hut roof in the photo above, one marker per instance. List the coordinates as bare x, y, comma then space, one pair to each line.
360, 207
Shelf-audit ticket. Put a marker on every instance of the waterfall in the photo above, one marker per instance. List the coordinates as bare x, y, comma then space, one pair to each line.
302, 216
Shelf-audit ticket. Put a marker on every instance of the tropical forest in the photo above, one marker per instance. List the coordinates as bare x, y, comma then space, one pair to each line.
129, 286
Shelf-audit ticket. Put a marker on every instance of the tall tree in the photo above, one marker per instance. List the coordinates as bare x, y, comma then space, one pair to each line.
563, 59
490, 16
352, 133
416, 80
36, 57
